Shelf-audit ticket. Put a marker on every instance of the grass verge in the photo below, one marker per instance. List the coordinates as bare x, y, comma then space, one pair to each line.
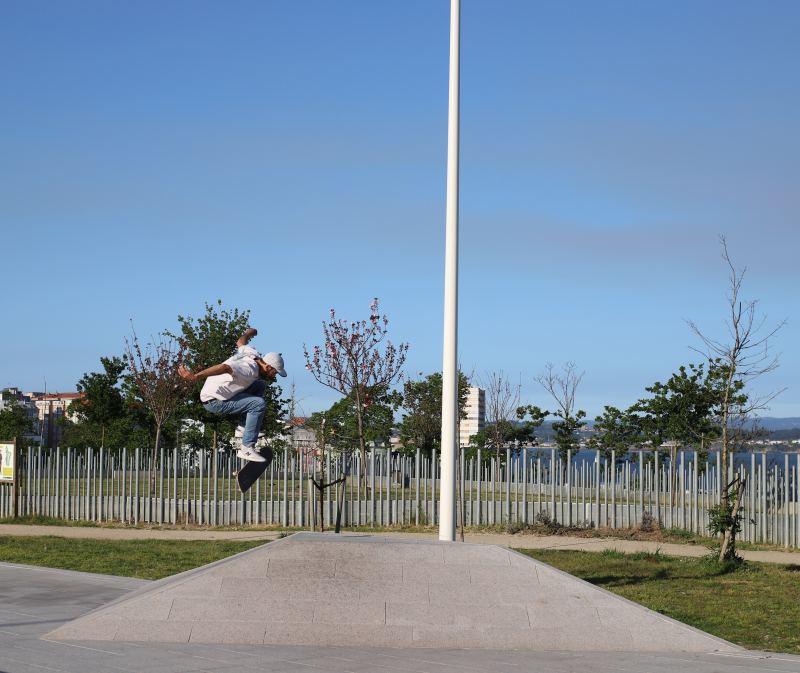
145, 559
39, 520
756, 605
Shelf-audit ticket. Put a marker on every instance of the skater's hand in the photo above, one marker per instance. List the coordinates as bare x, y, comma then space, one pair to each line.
249, 333
186, 374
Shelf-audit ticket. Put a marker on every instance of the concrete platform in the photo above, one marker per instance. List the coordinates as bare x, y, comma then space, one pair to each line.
369, 591
34, 600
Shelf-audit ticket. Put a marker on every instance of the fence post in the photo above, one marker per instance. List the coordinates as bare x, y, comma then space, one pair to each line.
613, 488
786, 500
525, 485
797, 501
764, 532
434, 519
597, 486
641, 486
417, 467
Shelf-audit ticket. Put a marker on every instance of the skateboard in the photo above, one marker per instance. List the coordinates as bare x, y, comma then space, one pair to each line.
251, 471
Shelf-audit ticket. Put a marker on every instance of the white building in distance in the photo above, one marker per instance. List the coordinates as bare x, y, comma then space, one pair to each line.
476, 415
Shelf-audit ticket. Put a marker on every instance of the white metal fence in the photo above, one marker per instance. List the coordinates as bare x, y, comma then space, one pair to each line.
515, 488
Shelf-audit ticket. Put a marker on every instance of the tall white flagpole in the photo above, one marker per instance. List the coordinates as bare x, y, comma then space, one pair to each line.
447, 499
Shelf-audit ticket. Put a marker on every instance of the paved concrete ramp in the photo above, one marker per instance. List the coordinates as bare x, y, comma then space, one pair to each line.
368, 591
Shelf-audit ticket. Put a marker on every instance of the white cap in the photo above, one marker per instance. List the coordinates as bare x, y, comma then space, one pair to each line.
275, 360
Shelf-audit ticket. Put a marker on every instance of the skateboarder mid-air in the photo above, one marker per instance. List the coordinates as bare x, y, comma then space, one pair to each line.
235, 388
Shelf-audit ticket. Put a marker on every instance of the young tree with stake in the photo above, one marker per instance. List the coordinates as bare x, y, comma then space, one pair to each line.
744, 356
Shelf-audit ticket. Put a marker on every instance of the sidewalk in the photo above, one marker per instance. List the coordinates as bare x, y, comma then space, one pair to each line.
559, 542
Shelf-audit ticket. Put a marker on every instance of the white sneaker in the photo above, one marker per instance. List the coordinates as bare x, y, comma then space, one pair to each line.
250, 453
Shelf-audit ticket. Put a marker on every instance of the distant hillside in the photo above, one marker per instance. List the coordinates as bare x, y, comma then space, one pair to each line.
773, 424
778, 428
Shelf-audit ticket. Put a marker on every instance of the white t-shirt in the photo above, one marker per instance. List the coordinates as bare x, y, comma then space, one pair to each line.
224, 386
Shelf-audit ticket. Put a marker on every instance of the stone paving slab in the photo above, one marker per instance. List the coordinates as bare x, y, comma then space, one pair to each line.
317, 589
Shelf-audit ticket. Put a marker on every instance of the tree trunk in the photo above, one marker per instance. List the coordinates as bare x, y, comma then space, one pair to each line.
322, 506
725, 438
322, 487
340, 505
727, 550
155, 457
362, 445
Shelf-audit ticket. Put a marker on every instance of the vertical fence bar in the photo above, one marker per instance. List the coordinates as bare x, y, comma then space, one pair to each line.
525, 485
763, 535
434, 464
597, 488
613, 488
417, 467
479, 477
372, 512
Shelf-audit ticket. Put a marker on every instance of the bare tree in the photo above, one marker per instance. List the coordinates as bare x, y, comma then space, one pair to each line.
736, 361
154, 373
357, 360
562, 386
502, 401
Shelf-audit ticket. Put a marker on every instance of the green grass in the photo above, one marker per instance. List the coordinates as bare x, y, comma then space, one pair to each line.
39, 520
146, 559
756, 605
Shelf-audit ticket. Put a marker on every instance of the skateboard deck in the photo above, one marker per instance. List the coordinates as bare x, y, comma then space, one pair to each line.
251, 471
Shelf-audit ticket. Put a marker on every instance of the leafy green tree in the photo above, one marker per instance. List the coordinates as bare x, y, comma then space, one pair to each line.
531, 418
421, 426
616, 430
493, 437
101, 418
16, 423
566, 431
681, 412
341, 422
506, 432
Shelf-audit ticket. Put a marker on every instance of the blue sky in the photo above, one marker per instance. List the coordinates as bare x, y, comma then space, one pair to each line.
289, 157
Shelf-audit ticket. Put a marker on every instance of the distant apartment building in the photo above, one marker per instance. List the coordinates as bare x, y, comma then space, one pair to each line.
51, 410
476, 415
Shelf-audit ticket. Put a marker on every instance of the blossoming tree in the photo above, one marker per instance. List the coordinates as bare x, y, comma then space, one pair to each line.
357, 360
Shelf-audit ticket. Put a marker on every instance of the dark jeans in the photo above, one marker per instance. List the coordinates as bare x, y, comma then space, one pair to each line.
248, 405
